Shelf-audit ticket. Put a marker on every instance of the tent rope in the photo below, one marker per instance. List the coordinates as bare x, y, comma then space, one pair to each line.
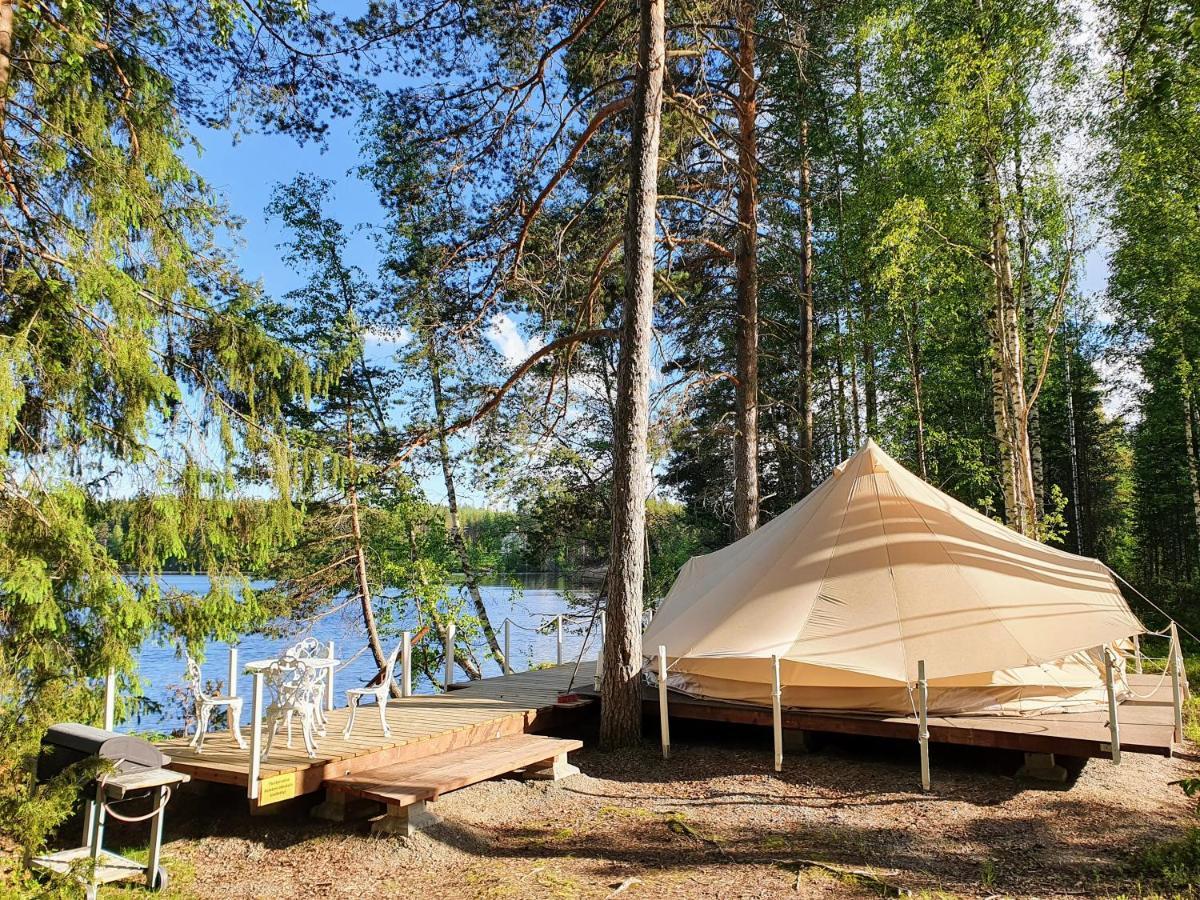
1117, 575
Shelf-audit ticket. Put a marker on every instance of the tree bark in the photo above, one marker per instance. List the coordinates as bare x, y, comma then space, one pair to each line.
360, 556
621, 704
745, 446
914, 364
1193, 454
1029, 312
870, 382
806, 317
1073, 446
457, 540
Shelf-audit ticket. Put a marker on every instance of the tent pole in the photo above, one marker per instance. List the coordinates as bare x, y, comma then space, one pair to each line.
1176, 686
777, 712
1114, 727
1137, 655
923, 722
664, 726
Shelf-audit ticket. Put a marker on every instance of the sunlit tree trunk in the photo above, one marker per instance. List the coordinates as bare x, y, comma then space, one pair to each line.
745, 448
870, 381
457, 540
621, 705
806, 316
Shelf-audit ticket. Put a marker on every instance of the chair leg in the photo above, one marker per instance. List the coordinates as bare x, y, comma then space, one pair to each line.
289, 729
202, 728
271, 736
306, 728
352, 702
381, 702
235, 723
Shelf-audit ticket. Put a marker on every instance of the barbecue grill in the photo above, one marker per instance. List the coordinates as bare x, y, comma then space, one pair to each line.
137, 769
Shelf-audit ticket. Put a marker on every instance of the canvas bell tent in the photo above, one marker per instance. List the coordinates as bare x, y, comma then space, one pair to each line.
875, 571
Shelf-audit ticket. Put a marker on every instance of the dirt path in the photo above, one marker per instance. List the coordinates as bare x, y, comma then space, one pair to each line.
714, 822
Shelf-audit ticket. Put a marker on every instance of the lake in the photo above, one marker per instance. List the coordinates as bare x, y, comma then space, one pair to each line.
537, 600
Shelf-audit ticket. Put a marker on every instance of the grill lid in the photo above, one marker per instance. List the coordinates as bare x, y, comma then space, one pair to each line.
71, 742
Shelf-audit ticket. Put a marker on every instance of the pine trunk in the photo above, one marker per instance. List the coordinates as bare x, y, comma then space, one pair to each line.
806, 317
621, 704
914, 365
745, 448
457, 539
1029, 311
360, 556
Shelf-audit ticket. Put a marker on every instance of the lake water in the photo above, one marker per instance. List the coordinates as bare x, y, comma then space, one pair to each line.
534, 604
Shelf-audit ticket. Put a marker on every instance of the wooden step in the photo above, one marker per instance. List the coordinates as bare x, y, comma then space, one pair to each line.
419, 780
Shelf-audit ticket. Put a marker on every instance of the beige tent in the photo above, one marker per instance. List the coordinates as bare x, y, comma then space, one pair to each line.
873, 571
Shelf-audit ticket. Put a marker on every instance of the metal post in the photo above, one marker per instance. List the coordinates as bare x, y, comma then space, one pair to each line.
256, 712
663, 723
1176, 683
232, 687
156, 836
329, 681
600, 651
507, 646
923, 722
449, 654
1114, 727
110, 700
1137, 655
406, 664
777, 712
558, 622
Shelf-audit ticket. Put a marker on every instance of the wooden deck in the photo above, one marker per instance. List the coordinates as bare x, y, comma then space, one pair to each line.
421, 726
1146, 725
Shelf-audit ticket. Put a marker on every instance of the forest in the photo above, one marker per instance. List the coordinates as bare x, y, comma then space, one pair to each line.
738, 238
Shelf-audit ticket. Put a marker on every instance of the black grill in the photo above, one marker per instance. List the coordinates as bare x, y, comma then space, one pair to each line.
69, 743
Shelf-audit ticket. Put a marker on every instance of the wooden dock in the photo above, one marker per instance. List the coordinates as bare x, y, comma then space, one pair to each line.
421, 726
1146, 725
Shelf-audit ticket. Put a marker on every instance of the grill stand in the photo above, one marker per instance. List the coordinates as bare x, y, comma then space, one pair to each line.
106, 866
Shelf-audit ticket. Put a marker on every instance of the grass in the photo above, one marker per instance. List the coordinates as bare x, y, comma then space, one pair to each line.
1176, 863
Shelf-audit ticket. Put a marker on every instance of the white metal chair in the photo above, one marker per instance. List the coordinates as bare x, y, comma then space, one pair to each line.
311, 648
380, 692
295, 690
206, 703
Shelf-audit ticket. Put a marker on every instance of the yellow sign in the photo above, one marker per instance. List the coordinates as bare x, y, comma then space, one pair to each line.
277, 788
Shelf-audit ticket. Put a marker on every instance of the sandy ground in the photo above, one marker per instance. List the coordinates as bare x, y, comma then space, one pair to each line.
714, 821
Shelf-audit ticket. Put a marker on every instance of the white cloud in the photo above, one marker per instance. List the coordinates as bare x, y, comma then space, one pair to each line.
1123, 381
504, 334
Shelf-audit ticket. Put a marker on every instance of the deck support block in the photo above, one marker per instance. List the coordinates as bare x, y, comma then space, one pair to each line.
404, 821
339, 806
1043, 767
797, 741
552, 770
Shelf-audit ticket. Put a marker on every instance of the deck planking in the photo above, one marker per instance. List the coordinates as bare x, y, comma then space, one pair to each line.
1146, 722
421, 726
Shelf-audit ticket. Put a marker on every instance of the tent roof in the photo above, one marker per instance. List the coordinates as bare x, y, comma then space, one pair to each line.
875, 570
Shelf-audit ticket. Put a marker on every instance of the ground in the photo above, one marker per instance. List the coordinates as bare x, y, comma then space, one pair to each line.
714, 821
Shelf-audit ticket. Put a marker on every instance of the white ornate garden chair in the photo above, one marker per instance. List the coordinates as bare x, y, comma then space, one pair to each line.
311, 648
295, 690
380, 692
206, 703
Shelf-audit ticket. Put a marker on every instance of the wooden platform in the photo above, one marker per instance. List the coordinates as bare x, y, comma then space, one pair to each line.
421, 726
405, 783
1146, 725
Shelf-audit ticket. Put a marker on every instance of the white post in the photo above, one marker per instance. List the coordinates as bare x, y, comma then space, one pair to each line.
329, 681
663, 724
1176, 683
232, 687
256, 712
777, 712
449, 654
558, 622
507, 646
600, 651
1137, 655
923, 722
110, 700
406, 664
1114, 727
